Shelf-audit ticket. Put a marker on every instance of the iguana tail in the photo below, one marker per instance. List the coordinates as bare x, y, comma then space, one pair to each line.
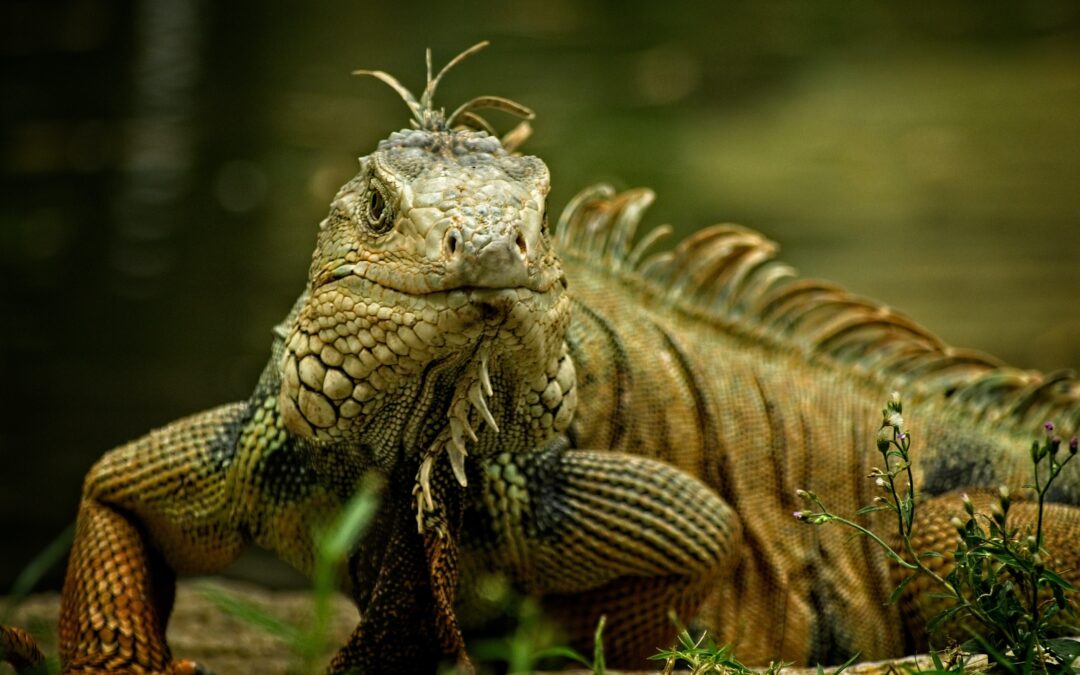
19, 649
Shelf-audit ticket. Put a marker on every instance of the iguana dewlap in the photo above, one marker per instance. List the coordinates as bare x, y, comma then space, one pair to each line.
619, 431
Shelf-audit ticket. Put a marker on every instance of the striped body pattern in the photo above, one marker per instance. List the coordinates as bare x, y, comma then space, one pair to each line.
614, 427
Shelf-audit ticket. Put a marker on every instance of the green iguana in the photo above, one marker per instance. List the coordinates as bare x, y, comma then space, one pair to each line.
618, 431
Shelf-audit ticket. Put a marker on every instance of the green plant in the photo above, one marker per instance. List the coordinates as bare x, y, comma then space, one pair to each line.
703, 656
532, 641
1000, 589
597, 665
309, 643
535, 640
53, 554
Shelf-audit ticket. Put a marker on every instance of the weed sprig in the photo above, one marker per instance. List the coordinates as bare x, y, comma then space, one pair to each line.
1000, 588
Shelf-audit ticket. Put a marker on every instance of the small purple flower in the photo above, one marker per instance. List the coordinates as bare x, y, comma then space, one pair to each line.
799, 515
1049, 426
1073, 445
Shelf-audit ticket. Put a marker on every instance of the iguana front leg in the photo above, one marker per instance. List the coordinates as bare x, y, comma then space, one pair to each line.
604, 533
117, 599
150, 508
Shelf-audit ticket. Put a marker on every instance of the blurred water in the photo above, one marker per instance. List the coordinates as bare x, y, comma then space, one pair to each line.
164, 165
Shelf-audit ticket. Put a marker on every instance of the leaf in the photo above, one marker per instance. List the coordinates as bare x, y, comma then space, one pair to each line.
870, 508
971, 646
995, 655
686, 641
776, 666
895, 595
351, 522
254, 615
1059, 597
933, 623
1065, 650
562, 652
1053, 578
598, 665
844, 666
45, 560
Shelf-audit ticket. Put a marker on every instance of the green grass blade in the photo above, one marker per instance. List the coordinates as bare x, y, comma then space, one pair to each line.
44, 561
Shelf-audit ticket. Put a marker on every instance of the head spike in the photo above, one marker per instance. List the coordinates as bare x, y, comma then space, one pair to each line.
474, 121
426, 117
433, 83
490, 103
514, 138
427, 61
404, 93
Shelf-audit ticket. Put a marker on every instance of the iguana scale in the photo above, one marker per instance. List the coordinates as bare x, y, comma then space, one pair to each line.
617, 430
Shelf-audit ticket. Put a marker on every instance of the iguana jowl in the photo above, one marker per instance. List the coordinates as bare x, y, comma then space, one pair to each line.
620, 432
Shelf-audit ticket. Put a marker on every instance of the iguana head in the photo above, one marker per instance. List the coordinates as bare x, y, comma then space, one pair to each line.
435, 258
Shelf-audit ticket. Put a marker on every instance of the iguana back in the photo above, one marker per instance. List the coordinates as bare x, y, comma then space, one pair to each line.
718, 360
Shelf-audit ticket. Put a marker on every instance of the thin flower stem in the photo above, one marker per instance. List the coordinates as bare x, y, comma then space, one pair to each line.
995, 583
893, 555
892, 482
1039, 490
918, 566
911, 490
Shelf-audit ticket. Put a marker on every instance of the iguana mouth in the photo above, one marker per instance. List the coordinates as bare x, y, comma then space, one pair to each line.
436, 283
486, 298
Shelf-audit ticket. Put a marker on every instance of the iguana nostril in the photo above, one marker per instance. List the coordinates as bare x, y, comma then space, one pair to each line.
520, 241
452, 241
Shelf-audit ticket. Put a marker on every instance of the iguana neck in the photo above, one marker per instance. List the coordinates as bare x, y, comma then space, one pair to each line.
501, 386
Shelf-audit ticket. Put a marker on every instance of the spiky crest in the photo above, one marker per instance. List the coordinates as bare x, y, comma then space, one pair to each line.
727, 275
429, 118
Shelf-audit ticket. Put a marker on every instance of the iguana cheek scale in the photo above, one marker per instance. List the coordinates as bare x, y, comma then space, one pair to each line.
617, 430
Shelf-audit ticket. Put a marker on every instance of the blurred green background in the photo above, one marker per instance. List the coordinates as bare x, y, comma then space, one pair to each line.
164, 164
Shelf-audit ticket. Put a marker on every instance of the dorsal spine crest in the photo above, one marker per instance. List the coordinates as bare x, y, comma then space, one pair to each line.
727, 275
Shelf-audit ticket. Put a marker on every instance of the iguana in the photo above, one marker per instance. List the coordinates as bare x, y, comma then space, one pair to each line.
619, 431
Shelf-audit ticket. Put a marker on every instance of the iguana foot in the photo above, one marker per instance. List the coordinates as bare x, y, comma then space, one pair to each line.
19, 648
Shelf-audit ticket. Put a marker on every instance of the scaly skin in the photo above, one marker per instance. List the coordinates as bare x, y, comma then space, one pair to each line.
756, 419
620, 434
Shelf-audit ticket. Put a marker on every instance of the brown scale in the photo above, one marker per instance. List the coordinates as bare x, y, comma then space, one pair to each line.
116, 596
709, 382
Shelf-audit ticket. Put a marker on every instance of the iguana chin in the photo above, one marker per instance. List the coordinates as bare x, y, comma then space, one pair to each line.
622, 433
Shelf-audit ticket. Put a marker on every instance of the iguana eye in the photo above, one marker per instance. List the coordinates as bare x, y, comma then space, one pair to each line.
379, 217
